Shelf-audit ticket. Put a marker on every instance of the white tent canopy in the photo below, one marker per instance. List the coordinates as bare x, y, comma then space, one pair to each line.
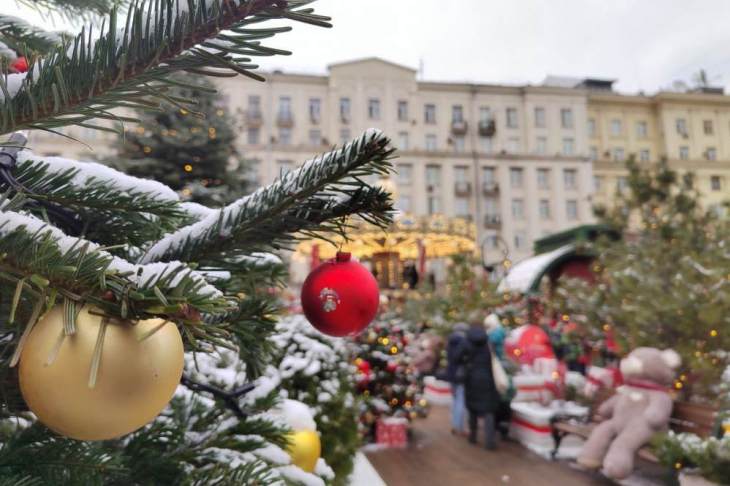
526, 274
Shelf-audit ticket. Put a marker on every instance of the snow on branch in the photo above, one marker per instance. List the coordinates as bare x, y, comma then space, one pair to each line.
141, 276
330, 176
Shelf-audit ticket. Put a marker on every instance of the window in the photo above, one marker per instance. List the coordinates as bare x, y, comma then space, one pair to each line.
488, 175
252, 135
644, 155
707, 127
485, 145
434, 205
539, 117
402, 110
513, 145
571, 209
591, 127
512, 118
284, 107
431, 142
616, 128
429, 113
621, 184
345, 135
254, 170
716, 183
461, 206
711, 153
593, 153
345, 108
374, 109
518, 209
515, 178
543, 178
485, 114
490, 207
254, 104
405, 174
642, 130
684, 152
284, 166
285, 135
403, 140
433, 175
618, 154
566, 118
568, 146
460, 174
520, 240
315, 137
570, 178
681, 125
541, 145
544, 208
315, 110
459, 143
404, 203
457, 114
597, 183
491, 241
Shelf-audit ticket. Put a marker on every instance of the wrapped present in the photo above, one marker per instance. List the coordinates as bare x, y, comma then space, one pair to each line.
530, 425
531, 387
436, 391
545, 366
598, 378
392, 432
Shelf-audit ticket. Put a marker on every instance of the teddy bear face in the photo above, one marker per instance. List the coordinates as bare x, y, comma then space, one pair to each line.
651, 364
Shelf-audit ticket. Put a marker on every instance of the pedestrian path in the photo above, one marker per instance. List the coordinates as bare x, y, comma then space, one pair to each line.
437, 458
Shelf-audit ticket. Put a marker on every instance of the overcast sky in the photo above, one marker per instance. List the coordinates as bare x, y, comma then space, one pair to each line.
645, 44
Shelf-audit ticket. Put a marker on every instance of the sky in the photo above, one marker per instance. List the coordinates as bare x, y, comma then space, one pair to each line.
644, 44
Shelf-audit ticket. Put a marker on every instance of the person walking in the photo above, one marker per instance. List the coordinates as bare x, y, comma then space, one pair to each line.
455, 375
482, 397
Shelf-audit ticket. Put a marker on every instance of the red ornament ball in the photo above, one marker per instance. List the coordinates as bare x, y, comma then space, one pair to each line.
340, 297
19, 65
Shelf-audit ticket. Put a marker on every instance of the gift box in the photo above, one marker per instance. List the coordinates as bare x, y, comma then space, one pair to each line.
530, 425
436, 391
392, 432
598, 378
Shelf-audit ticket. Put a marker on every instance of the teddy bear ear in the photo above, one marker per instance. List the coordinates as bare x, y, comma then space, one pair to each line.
671, 358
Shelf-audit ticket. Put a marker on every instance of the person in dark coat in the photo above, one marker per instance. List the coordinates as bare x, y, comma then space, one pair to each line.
482, 397
455, 375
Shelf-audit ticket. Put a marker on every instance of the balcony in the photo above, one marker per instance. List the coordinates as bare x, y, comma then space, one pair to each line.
492, 221
487, 128
462, 188
254, 118
490, 187
284, 120
459, 127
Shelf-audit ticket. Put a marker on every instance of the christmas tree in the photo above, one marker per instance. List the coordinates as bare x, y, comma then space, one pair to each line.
107, 279
663, 284
190, 151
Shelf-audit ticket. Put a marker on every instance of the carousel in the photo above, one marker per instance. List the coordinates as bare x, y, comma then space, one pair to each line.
397, 254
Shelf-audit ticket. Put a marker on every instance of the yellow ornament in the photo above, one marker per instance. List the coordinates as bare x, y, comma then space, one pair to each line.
139, 370
304, 449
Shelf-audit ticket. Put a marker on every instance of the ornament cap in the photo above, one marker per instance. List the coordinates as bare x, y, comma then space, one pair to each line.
343, 256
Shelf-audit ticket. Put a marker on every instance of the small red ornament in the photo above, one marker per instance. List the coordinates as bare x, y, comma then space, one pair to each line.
19, 65
340, 297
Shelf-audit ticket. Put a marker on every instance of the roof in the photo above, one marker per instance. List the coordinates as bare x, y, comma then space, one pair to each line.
578, 234
525, 276
370, 59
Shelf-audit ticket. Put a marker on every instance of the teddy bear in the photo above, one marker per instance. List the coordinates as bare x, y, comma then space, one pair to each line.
639, 409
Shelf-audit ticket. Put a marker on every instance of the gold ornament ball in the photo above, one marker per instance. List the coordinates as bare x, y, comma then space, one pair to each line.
304, 449
136, 378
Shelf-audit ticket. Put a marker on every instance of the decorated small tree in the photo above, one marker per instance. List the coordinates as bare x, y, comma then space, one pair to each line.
663, 284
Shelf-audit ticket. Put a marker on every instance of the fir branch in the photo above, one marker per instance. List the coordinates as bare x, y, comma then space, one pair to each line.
26, 39
79, 270
131, 66
229, 398
336, 174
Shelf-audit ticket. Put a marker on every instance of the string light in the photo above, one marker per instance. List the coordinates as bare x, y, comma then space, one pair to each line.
183, 111
188, 168
713, 333
147, 149
394, 350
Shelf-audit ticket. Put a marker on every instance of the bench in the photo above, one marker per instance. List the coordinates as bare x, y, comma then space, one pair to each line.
686, 417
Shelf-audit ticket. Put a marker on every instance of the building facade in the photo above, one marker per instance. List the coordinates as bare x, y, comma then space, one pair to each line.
520, 162
691, 131
514, 160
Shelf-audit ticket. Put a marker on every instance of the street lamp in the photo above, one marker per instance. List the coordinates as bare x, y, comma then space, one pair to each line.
490, 260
